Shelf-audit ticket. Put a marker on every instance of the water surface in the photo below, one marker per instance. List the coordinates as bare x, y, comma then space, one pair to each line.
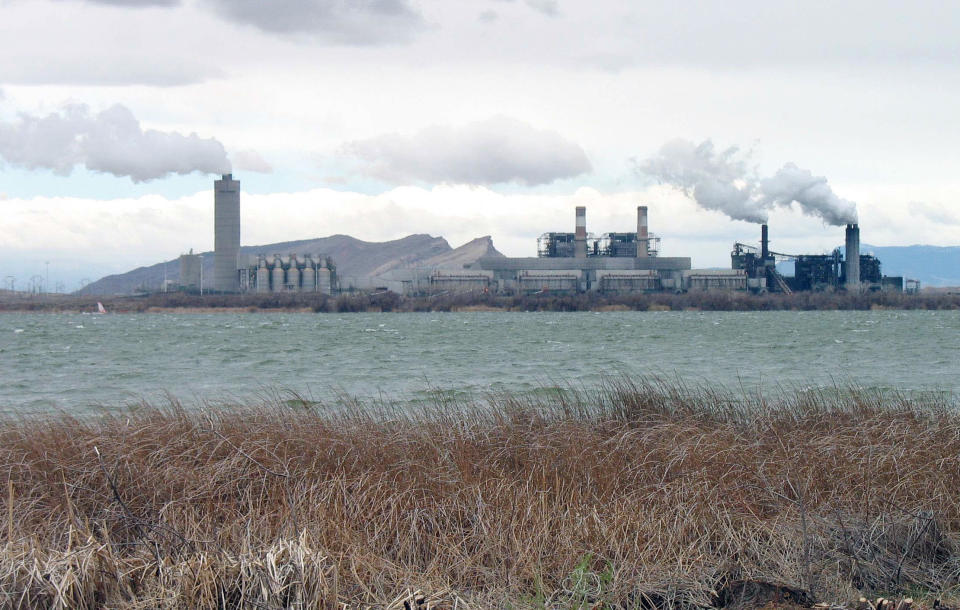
78, 362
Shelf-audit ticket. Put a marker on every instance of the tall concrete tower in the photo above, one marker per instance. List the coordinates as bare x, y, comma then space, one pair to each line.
853, 258
226, 234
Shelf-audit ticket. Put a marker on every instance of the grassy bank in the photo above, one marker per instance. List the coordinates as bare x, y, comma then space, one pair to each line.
635, 495
388, 301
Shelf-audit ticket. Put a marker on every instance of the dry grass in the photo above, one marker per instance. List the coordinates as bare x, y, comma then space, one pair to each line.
636, 495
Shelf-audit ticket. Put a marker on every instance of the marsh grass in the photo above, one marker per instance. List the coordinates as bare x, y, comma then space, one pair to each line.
647, 493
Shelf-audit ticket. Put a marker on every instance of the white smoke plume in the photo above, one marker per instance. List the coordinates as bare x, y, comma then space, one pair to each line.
722, 181
111, 141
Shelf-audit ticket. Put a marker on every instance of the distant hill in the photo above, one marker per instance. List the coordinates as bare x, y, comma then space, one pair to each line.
353, 257
932, 265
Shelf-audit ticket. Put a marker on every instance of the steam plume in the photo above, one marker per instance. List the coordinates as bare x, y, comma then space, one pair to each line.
722, 181
111, 141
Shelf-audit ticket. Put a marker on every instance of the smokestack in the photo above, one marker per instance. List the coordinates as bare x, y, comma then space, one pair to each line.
643, 238
226, 234
853, 258
764, 242
580, 235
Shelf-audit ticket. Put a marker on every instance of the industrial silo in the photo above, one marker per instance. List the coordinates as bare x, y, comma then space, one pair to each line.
309, 275
226, 234
276, 275
293, 275
190, 270
263, 276
323, 276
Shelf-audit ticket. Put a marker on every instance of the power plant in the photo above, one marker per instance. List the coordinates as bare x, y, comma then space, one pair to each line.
611, 263
850, 271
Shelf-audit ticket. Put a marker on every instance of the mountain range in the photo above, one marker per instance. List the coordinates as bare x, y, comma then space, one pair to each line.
354, 259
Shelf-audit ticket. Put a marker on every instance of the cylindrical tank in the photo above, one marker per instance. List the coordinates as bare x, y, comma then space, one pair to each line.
323, 280
263, 276
309, 276
276, 275
293, 275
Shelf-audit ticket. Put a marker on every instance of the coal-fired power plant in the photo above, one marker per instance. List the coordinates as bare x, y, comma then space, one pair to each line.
613, 263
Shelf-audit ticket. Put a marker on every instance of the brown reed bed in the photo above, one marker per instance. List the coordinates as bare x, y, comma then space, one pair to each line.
636, 495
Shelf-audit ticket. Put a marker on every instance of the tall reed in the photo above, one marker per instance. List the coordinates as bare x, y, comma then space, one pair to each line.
640, 493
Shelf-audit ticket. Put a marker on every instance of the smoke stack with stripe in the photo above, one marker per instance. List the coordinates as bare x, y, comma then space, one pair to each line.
580, 235
643, 236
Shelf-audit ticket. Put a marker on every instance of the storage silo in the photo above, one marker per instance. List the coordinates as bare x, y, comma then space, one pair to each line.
309, 275
276, 275
323, 276
293, 275
226, 234
190, 270
263, 276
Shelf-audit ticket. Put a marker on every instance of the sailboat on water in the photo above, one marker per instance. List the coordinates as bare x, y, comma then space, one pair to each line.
100, 308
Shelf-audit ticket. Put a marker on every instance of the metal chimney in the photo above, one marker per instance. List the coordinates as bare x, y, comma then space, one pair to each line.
226, 234
643, 237
764, 242
853, 258
580, 235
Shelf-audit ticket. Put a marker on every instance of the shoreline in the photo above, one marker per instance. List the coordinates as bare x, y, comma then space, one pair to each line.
471, 302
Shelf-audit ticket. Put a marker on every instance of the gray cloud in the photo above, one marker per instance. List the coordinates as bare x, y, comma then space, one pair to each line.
723, 181
137, 3
111, 141
488, 16
494, 151
547, 7
351, 22
250, 161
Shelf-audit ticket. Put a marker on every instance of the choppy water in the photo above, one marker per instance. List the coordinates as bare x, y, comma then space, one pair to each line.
77, 362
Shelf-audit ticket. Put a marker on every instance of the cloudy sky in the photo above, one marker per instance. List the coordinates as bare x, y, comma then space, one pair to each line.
381, 118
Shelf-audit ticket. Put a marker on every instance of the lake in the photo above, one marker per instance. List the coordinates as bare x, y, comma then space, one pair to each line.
77, 362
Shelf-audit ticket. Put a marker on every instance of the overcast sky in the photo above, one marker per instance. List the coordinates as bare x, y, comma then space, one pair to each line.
380, 118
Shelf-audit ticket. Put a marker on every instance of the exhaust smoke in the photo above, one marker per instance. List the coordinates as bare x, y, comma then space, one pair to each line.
722, 181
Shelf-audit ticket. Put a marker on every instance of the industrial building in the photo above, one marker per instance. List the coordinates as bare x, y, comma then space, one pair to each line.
612, 263
615, 263
849, 271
